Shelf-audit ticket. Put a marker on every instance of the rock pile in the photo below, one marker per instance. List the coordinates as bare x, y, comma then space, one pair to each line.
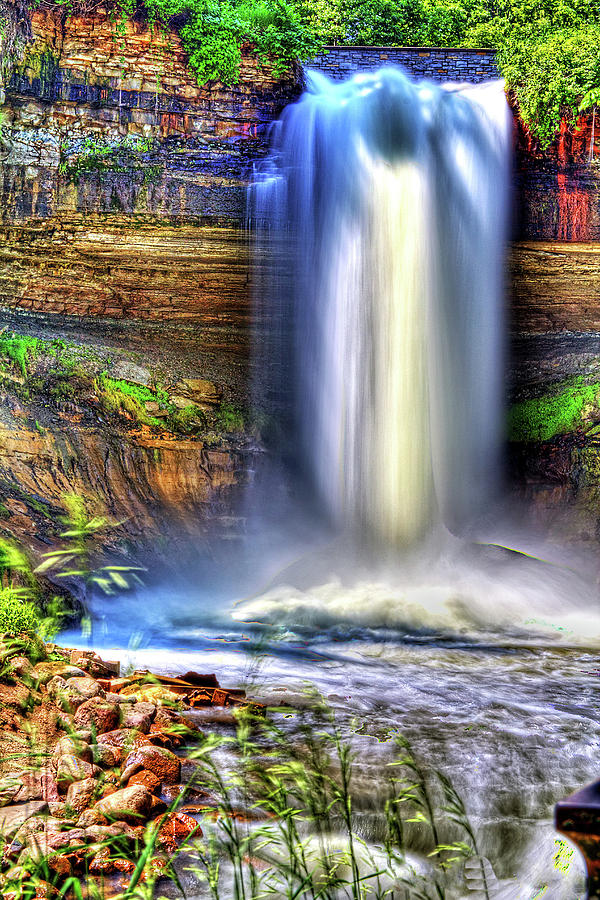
115, 764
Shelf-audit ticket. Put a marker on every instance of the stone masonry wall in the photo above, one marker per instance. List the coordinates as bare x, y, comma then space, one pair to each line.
436, 64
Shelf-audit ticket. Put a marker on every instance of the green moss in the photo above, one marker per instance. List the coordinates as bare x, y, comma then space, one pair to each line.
541, 419
228, 417
189, 420
19, 349
125, 398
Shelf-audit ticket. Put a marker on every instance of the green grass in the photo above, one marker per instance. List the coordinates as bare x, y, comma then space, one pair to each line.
189, 420
543, 418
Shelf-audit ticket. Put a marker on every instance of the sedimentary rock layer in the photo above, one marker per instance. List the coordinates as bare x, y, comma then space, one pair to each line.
555, 287
119, 267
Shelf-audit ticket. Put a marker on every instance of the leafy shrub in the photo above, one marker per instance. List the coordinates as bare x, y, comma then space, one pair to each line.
17, 614
550, 74
214, 31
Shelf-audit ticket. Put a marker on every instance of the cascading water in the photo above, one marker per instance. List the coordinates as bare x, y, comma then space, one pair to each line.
392, 197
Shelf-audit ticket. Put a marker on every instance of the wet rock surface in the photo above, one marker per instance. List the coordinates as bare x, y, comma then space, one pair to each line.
101, 786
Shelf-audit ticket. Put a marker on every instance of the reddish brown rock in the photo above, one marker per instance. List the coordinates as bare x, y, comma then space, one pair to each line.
175, 829
162, 762
98, 714
147, 779
105, 863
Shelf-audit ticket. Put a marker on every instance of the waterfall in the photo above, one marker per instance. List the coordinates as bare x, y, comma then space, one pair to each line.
384, 204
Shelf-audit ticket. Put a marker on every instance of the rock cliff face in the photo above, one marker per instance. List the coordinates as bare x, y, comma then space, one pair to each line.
163, 458
122, 197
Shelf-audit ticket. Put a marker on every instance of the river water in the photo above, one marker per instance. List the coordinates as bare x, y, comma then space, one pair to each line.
488, 665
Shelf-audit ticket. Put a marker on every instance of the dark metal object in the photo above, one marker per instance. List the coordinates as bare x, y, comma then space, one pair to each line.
578, 818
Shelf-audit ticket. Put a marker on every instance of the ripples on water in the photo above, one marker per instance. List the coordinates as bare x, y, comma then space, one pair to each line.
488, 666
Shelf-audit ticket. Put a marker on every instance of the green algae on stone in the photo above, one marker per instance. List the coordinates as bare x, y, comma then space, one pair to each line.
542, 418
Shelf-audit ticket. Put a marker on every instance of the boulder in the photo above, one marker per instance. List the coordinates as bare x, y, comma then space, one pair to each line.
147, 779
70, 768
12, 817
198, 391
125, 370
21, 667
40, 785
72, 746
91, 817
162, 762
107, 756
131, 804
71, 693
139, 716
123, 738
10, 784
43, 672
98, 714
81, 794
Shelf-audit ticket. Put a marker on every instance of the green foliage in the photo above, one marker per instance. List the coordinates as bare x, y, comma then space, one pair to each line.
17, 613
119, 397
78, 557
553, 73
547, 49
125, 155
541, 419
19, 350
189, 420
214, 31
